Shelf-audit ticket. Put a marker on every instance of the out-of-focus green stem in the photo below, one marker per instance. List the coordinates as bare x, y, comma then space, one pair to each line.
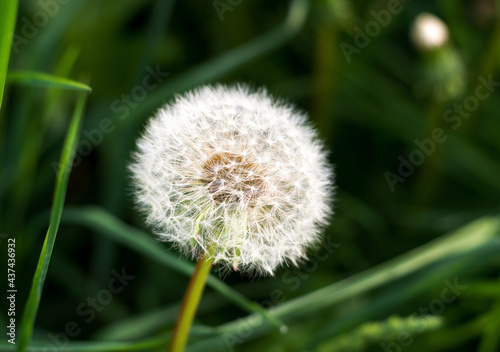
323, 82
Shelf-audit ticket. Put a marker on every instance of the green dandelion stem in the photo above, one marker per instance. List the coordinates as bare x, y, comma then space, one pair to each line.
191, 300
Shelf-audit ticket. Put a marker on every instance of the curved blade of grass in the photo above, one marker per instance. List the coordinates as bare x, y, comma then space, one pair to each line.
456, 261
68, 153
468, 238
144, 345
372, 332
26, 142
393, 296
41, 79
105, 223
490, 340
8, 15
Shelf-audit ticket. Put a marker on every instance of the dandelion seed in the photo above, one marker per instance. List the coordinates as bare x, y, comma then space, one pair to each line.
243, 173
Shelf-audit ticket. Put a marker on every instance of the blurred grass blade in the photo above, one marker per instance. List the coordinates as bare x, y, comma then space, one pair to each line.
40, 79
105, 223
369, 333
490, 339
8, 14
466, 239
150, 344
68, 153
144, 345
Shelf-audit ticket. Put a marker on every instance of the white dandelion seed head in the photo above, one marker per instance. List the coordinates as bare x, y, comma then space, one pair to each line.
236, 168
429, 32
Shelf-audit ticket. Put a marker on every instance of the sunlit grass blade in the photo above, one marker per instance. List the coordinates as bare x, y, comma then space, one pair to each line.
414, 286
8, 14
466, 239
68, 153
389, 299
371, 332
41, 79
105, 223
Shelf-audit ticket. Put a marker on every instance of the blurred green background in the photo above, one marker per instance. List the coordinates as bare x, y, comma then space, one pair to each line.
376, 106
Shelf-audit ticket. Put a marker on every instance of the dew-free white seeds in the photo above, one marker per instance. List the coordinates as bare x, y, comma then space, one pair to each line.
235, 170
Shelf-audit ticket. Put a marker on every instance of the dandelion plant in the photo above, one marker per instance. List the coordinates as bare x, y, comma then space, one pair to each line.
235, 179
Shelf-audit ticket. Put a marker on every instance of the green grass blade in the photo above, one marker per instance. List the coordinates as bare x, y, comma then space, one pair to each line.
490, 340
68, 153
150, 344
369, 333
468, 238
144, 345
105, 223
8, 14
40, 79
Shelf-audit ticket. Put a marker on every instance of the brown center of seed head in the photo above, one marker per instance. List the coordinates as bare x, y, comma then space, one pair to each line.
232, 180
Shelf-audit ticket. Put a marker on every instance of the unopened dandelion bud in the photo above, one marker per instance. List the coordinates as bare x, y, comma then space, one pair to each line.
429, 32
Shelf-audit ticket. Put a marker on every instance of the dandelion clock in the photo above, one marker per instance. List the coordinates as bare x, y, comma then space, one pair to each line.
235, 179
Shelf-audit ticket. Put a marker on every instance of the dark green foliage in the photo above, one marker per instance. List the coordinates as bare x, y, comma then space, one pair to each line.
414, 137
